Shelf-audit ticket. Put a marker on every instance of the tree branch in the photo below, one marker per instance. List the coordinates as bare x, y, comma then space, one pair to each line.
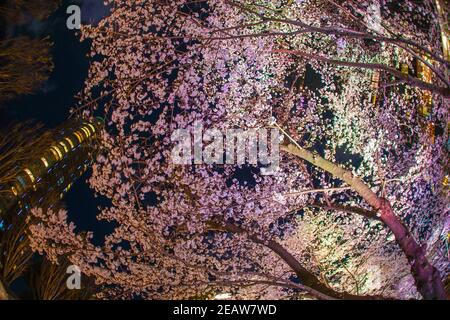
349, 209
445, 92
307, 278
426, 276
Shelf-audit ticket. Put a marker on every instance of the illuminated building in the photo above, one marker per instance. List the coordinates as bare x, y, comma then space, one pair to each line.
46, 178
444, 26
375, 83
424, 73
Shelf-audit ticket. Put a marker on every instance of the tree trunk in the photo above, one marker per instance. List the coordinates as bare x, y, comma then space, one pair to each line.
427, 278
306, 278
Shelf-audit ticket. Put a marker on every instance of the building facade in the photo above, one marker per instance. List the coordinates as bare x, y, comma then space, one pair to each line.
44, 180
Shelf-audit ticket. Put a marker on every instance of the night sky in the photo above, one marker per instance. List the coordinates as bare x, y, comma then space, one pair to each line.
52, 103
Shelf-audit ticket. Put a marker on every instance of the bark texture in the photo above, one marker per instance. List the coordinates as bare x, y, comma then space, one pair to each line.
427, 278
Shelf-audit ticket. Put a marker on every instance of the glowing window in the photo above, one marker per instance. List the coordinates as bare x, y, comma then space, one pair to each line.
375, 80
404, 68
30, 174
83, 132
44, 161
70, 143
92, 127
88, 127
58, 152
54, 153
79, 136
64, 146
86, 131
85, 124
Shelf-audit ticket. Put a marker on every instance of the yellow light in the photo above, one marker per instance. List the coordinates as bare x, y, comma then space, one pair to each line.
14, 191
59, 152
79, 136
54, 153
92, 127
374, 99
60, 155
424, 72
375, 80
446, 181
70, 143
86, 126
44, 161
68, 187
64, 146
86, 131
30, 174
404, 68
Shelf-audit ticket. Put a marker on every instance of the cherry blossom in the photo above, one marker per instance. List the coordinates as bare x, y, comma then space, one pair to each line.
327, 224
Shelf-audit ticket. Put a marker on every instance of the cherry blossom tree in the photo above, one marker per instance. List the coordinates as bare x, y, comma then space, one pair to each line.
357, 208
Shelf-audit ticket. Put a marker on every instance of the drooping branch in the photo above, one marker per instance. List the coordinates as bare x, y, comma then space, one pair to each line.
273, 283
416, 50
349, 209
427, 278
433, 68
415, 82
343, 32
306, 277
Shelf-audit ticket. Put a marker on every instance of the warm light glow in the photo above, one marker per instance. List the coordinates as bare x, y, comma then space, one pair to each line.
222, 296
424, 73
14, 191
375, 80
404, 69
68, 187
92, 127
70, 143
86, 131
79, 136
374, 86
444, 30
30, 174
56, 149
54, 153
431, 129
64, 146
44, 161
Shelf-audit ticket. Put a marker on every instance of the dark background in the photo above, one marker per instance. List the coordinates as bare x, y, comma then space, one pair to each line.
52, 103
